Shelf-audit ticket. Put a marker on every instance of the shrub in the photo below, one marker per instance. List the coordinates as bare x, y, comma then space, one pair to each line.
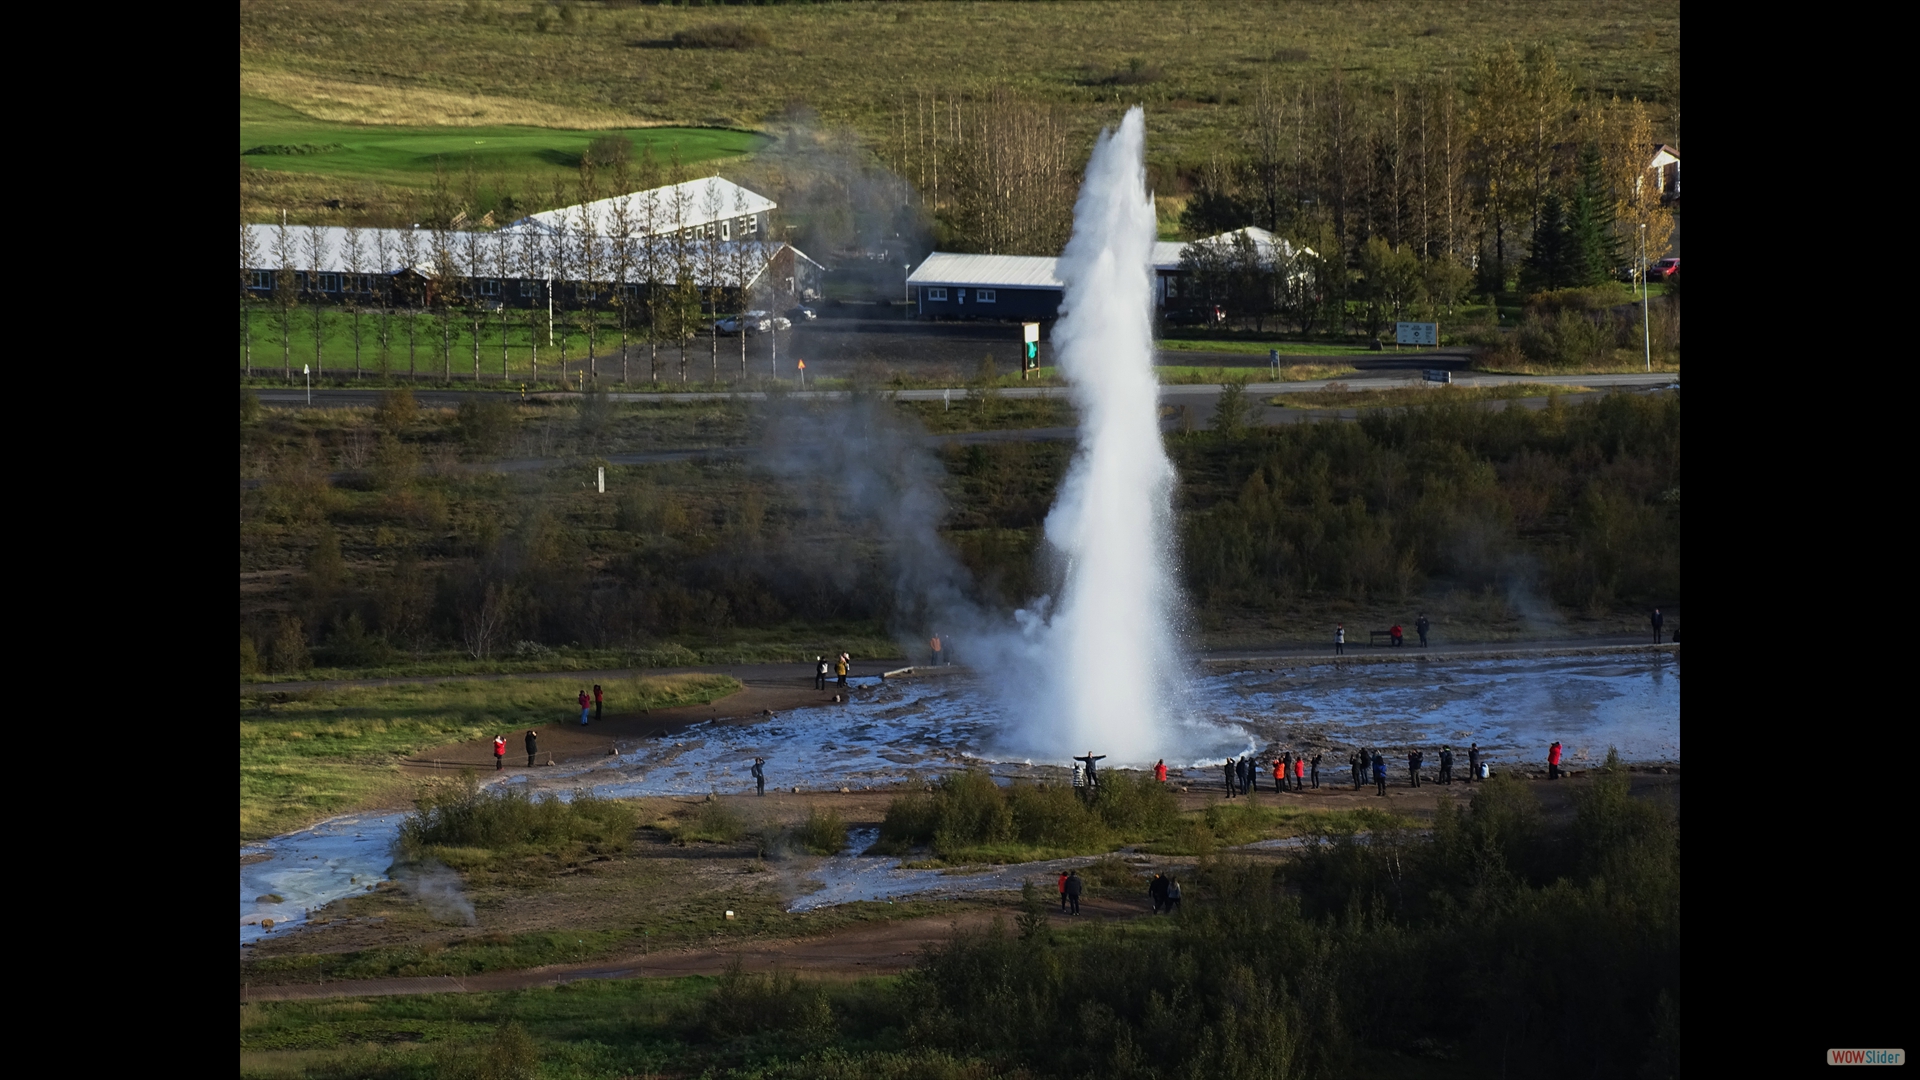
289, 653
609, 150
723, 36
396, 410
822, 833
972, 810
911, 820
1564, 339
485, 423
1135, 803
1050, 815
714, 823
744, 1004
458, 814
249, 406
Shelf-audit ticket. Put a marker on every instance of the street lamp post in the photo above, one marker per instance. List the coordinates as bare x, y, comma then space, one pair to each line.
1646, 327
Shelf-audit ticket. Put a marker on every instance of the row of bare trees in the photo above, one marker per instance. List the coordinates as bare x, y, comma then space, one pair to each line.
641, 263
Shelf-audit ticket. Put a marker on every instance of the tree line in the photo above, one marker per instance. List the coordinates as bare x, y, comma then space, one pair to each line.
645, 275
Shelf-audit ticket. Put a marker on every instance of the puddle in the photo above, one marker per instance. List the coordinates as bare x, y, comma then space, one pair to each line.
918, 729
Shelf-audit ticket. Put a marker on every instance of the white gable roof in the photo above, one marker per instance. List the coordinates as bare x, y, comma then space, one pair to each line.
1002, 271
1166, 256
696, 202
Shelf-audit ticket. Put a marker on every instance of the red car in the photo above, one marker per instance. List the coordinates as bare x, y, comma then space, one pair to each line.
1663, 269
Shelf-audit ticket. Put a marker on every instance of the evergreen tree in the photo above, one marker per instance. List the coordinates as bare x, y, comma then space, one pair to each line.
1592, 252
1550, 264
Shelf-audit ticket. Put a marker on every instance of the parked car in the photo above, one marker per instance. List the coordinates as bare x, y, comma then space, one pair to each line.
1664, 269
801, 313
753, 322
781, 322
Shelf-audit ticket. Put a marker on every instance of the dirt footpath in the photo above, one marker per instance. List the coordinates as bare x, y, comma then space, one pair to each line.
878, 949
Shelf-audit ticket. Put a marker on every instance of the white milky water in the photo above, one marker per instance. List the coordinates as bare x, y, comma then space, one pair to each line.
1112, 671
918, 729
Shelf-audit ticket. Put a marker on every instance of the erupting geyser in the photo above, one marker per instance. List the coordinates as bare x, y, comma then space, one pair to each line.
1113, 666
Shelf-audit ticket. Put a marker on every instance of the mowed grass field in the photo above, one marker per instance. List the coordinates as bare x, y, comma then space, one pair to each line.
862, 65
406, 156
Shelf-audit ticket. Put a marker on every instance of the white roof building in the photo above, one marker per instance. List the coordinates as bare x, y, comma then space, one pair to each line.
719, 208
992, 271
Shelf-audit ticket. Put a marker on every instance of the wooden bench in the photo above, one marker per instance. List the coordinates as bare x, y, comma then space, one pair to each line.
1374, 636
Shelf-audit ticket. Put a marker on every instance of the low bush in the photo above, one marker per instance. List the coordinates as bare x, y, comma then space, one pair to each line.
1565, 339
714, 823
823, 833
457, 814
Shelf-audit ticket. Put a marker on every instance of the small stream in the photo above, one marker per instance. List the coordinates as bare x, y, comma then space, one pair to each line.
914, 730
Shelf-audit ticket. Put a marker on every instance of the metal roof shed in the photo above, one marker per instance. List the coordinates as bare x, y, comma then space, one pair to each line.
1012, 287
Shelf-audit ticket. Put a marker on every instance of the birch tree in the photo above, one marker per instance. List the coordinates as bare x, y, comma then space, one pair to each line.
286, 285
249, 262
383, 256
316, 257
712, 267
624, 290
353, 246
409, 249
473, 261
532, 255
443, 292
501, 249
652, 221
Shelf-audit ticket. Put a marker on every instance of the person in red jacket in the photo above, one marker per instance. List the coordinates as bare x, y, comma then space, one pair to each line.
1396, 636
599, 703
1279, 776
1063, 890
1300, 773
1553, 762
499, 752
584, 706
1160, 770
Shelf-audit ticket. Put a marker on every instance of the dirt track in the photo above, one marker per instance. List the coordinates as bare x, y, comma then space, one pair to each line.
876, 949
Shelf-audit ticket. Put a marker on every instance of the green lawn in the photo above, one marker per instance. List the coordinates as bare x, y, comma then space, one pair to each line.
309, 756
406, 156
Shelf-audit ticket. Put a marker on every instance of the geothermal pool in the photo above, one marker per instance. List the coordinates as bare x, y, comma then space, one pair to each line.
918, 729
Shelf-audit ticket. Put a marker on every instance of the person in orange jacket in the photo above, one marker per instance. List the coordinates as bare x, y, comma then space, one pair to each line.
1300, 773
499, 752
1279, 776
1160, 770
585, 705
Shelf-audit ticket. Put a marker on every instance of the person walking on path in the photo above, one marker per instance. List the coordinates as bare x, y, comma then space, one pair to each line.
1157, 892
1413, 768
1173, 895
760, 775
1246, 774
1379, 772
846, 661
1074, 886
533, 746
599, 703
1553, 762
1300, 772
1339, 638
1659, 620
1446, 765
584, 706
1316, 772
499, 752
1063, 892
819, 673
1420, 626
1473, 763
1160, 771
1228, 769
1090, 757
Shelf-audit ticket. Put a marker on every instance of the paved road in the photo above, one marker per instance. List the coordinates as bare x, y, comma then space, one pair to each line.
1202, 394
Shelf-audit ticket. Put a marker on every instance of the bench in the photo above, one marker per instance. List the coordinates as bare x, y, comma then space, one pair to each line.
1374, 636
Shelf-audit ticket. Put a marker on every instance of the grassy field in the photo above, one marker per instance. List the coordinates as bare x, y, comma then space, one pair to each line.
496, 63
1259, 348
308, 756
406, 156
1337, 396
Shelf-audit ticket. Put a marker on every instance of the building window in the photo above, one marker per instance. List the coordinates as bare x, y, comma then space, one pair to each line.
726, 230
489, 286
960, 295
936, 294
633, 292
262, 279
329, 282
364, 283
750, 225
529, 288
986, 296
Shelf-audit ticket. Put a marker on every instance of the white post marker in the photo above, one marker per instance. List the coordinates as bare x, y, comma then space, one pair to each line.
308, 372
803, 374
603, 480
